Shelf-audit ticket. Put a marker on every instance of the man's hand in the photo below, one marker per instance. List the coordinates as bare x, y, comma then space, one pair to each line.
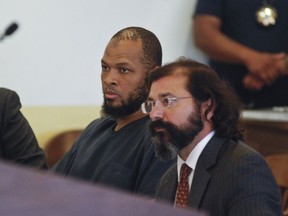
265, 66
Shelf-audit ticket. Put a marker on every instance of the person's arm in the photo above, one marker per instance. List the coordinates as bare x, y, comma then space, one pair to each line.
252, 188
209, 38
18, 141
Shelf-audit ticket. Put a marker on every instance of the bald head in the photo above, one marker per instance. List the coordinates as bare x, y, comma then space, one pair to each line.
151, 55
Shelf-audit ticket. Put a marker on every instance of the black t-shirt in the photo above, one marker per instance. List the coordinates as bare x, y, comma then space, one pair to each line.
123, 159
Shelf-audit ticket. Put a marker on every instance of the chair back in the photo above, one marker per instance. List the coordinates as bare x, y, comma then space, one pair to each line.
58, 145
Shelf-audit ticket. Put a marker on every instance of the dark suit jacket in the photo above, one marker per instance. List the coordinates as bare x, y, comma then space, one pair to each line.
230, 179
17, 140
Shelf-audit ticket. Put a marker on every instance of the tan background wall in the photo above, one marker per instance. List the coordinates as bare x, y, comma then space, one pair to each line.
47, 121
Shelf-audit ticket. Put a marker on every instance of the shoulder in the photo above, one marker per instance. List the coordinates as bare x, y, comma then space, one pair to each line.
240, 155
228, 153
4, 92
102, 122
234, 149
7, 94
99, 124
241, 150
239, 159
9, 102
209, 7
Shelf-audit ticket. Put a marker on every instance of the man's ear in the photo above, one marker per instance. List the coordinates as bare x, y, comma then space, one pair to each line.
151, 70
208, 108
147, 75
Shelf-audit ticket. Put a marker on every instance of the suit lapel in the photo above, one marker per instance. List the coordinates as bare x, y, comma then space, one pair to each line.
201, 174
167, 189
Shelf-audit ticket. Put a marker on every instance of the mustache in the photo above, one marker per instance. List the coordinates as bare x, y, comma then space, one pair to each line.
155, 124
111, 89
159, 124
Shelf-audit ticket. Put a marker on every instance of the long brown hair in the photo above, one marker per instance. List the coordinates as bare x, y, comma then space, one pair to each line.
203, 83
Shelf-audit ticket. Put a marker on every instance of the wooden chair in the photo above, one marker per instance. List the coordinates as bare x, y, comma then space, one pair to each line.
58, 145
279, 166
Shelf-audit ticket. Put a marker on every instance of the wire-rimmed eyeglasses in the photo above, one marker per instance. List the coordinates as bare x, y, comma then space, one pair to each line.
165, 102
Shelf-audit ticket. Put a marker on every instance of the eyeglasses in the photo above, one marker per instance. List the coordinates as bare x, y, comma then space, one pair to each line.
165, 102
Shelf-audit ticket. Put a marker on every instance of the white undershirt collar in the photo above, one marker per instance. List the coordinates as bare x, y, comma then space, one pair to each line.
192, 158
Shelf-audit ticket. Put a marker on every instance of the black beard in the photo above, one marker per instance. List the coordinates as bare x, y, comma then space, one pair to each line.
128, 107
168, 144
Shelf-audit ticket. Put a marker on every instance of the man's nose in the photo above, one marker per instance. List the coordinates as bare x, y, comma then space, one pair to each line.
157, 112
110, 77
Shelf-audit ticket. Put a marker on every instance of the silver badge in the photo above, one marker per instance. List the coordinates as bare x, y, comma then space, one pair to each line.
266, 15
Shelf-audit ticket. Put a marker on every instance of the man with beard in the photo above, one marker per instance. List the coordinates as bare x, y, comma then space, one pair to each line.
116, 149
195, 115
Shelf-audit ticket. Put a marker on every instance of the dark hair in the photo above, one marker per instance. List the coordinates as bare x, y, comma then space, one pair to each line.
204, 83
151, 47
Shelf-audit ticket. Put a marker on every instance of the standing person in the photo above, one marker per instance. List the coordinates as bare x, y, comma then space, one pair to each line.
195, 115
246, 43
18, 143
116, 150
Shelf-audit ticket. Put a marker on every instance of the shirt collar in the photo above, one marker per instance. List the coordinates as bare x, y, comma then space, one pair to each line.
195, 153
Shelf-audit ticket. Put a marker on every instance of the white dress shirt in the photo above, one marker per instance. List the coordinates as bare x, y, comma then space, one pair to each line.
193, 157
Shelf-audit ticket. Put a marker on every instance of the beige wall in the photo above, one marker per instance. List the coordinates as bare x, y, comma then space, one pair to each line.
59, 45
47, 121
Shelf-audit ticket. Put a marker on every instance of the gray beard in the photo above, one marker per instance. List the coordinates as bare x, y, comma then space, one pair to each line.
166, 151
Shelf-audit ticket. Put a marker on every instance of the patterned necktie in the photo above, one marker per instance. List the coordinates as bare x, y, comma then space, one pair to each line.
182, 192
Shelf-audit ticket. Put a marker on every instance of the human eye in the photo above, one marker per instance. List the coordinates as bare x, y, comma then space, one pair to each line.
104, 67
167, 101
148, 105
124, 70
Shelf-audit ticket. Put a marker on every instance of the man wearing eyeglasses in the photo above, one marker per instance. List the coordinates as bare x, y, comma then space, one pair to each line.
195, 118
